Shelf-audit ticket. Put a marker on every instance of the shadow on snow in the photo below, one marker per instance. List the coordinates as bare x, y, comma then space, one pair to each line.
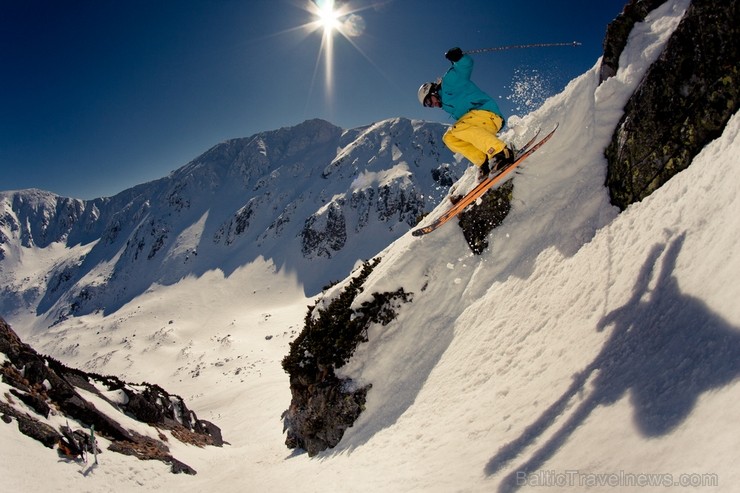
666, 349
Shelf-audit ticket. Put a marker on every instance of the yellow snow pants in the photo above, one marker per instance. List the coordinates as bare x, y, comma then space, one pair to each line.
474, 136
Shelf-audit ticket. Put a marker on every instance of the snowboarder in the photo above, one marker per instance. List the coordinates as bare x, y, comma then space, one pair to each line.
479, 119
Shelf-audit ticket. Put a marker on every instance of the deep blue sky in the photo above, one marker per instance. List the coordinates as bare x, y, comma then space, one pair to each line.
99, 95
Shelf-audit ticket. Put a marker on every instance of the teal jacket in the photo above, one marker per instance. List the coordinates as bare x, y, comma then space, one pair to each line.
459, 94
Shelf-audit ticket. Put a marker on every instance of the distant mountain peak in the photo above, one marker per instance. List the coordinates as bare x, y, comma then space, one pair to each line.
301, 194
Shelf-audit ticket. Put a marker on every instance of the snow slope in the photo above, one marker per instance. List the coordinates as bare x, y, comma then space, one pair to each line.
584, 350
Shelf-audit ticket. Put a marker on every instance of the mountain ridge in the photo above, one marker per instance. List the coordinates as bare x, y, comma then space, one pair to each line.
241, 198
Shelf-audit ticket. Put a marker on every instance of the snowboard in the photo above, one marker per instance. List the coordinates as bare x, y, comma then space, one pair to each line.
485, 185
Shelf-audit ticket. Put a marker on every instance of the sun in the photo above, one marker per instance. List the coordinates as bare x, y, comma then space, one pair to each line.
330, 19
336, 20
328, 16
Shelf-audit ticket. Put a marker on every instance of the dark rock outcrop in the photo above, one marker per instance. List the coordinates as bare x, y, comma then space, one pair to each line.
683, 103
323, 405
619, 30
47, 386
324, 233
30, 426
478, 221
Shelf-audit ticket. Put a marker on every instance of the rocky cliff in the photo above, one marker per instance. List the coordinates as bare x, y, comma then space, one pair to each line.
323, 405
683, 102
58, 406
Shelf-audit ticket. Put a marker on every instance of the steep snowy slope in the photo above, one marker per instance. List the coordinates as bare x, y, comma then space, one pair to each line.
585, 350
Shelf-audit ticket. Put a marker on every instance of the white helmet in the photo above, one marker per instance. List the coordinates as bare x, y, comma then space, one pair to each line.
425, 90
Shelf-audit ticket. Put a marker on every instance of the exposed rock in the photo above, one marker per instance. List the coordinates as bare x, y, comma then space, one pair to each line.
181, 468
325, 232
33, 401
619, 30
54, 219
443, 176
30, 426
479, 220
321, 409
323, 405
46, 385
684, 101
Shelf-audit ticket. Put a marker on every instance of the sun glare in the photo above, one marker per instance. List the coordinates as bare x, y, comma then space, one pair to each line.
328, 17
332, 17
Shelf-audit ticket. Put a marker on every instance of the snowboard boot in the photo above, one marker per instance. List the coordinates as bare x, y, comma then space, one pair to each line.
502, 159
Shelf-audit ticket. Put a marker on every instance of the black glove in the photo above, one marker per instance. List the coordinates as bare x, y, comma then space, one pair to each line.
454, 54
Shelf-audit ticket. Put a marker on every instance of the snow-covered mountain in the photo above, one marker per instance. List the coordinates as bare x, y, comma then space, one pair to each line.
584, 350
311, 199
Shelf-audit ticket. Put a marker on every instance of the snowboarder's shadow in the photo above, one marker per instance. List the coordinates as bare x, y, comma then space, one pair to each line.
666, 348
